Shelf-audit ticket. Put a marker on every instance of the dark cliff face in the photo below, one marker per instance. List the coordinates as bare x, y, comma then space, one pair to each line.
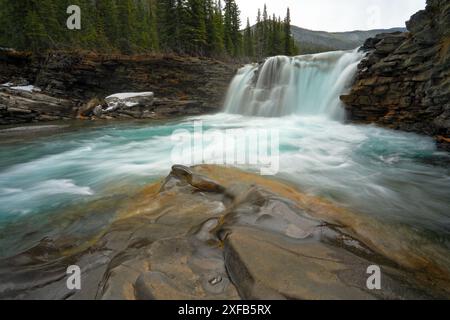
189, 83
404, 82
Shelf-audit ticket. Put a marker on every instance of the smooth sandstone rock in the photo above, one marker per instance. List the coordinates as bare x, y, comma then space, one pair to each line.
239, 236
199, 182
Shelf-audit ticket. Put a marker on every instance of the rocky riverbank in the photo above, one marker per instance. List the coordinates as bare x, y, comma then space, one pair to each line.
71, 85
404, 82
218, 233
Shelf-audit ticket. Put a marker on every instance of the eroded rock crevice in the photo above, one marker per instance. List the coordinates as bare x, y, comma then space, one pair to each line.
218, 233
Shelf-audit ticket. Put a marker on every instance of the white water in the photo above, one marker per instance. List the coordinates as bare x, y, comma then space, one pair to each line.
304, 85
395, 177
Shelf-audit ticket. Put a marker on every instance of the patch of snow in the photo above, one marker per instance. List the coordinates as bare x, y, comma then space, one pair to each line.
131, 104
8, 84
127, 95
29, 88
128, 100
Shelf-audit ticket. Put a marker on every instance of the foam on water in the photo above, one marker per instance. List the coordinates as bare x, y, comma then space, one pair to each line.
381, 172
390, 176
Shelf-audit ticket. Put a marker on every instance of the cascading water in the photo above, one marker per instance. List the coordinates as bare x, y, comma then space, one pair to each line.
305, 85
82, 174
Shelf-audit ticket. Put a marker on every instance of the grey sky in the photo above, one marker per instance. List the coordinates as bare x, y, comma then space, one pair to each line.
337, 15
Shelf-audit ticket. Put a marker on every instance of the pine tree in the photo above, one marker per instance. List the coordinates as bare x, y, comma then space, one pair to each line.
276, 45
153, 26
236, 30
88, 36
46, 11
265, 32
197, 27
35, 33
228, 27
287, 38
125, 20
107, 21
219, 27
232, 25
168, 15
259, 36
214, 29
248, 41
12, 30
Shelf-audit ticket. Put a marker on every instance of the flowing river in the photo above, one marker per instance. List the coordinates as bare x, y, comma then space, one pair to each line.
399, 179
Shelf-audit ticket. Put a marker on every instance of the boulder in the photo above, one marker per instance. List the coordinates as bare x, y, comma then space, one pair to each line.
129, 100
90, 108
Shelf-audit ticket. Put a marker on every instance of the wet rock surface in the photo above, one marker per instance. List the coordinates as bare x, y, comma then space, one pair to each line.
214, 233
403, 83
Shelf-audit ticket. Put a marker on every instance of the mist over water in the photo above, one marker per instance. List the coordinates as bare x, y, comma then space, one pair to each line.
398, 178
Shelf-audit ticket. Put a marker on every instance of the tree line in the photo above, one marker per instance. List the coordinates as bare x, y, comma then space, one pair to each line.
191, 27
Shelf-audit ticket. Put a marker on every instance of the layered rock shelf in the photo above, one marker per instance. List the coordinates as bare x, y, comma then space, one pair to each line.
18, 106
182, 85
219, 233
404, 81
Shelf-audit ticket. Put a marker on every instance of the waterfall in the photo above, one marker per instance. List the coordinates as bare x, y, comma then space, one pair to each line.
304, 85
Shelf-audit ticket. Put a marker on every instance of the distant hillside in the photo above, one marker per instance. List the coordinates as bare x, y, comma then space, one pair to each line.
319, 41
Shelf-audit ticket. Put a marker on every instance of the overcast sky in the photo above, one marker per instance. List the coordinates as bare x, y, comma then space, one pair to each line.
337, 15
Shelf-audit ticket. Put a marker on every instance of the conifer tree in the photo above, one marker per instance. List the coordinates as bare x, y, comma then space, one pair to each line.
236, 30
153, 26
248, 41
228, 27
34, 30
287, 38
219, 27
259, 36
197, 27
168, 12
107, 20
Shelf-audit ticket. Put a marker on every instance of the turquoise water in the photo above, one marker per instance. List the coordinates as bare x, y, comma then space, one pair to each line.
283, 117
394, 176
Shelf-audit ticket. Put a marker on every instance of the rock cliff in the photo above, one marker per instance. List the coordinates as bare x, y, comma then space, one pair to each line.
404, 81
182, 85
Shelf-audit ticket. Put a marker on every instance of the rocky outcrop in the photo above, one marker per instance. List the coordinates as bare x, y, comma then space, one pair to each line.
158, 109
23, 107
404, 81
129, 100
218, 233
182, 85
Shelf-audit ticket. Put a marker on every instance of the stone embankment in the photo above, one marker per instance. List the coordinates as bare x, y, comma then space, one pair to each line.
404, 81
